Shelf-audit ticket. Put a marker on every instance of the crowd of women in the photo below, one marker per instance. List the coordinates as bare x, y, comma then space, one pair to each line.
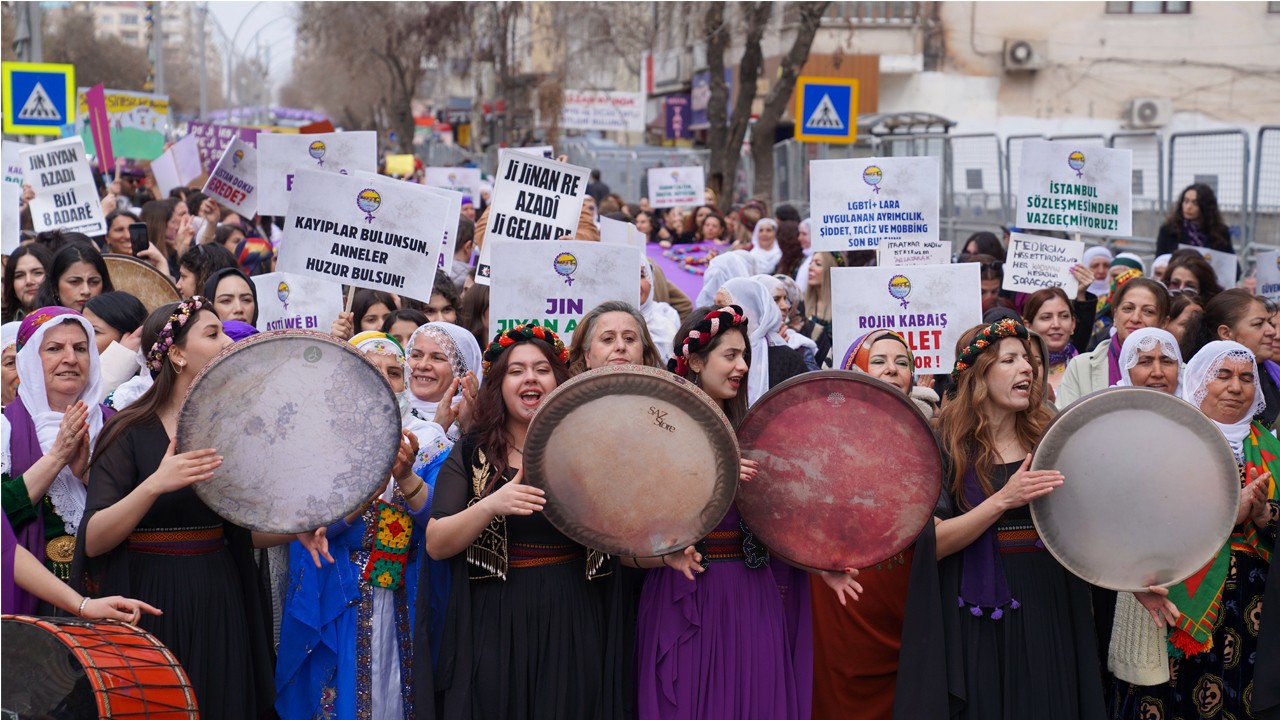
449, 594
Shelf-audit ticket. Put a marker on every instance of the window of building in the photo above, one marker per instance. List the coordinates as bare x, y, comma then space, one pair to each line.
1136, 182
868, 12
973, 179
1149, 8
1210, 180
128, 19
1273, 6
130, 35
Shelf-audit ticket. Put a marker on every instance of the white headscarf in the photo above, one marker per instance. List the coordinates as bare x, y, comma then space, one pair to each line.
67, 492
722, 269
1097, 287
9, 334
802, 274
1144, 340
464, 355
766, 260
662, 319
792, 339
1159, 264
1201, 371
763, 321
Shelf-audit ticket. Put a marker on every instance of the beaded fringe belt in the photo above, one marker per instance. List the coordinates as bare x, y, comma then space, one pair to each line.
723, 546
184, 541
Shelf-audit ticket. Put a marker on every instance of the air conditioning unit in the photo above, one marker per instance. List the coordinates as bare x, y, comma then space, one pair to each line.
1150, 112
1022, 56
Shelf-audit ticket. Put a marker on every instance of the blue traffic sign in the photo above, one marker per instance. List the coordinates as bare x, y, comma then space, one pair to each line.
39, 98
826, 110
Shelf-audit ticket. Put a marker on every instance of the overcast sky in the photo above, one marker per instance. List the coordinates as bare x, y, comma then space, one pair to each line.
271, 21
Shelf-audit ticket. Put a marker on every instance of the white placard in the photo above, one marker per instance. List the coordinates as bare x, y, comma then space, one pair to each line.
178, 165
465, 181
858, 203
1268, 264
553, 283
66, 197
10, 218
450, 227
542, 151
931, 306
281, 156
603, 110
677, 187
1068, 187
296, 302
913, 253
533, 199
368, 231
234, 179
1037, 262
1223, 263
619, 232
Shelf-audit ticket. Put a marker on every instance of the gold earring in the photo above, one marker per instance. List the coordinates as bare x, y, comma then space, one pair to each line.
177, 367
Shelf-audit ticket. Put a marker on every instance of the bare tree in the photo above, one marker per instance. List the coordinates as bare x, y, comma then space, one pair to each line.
725, 135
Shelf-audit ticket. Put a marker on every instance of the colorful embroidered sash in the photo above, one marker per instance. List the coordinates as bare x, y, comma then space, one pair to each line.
178, 541
390, 554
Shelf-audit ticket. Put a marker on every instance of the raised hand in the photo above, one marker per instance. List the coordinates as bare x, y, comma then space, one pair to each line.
515, 498
177, 471
1253, 498
1027, 485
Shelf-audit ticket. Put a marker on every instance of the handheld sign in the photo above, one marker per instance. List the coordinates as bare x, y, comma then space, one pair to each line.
450, 225
214, 139
234, 179
296, 302
930, 306
178, 165
913, 253
553, 283
618, 232
1063, 186
137, 122
281, 156
66, 197
1268, 264
533, 199
95, 104
401, 165
458, 179
1223, 263
376, 233
1037, 262
676, 186
859, 203
12, 198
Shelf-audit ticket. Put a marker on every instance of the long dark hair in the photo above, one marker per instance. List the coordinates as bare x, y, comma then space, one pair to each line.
1228, 308
792, 251
365, 299
1210, 222
475, 303
120, 310
414, 316
147, 407
12, 305
156, 215
1195, 263
735, 409
490, 425
985, 243
66, 257
205, 259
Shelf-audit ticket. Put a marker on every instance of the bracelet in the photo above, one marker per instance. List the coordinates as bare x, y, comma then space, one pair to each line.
416, 490
83, 601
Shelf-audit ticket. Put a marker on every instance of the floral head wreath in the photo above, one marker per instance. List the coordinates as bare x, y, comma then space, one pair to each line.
987, 337
164, 340
700, 337
519, 334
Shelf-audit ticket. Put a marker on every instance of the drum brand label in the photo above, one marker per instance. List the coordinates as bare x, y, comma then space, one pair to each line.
312, 354
660, 419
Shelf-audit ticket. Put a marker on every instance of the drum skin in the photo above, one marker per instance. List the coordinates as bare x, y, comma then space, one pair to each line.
67, 668
308, 429
849, 474
1150, 493
142, 281
635, 461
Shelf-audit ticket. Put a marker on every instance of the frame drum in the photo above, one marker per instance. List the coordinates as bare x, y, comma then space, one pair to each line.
635, 461
140, 280
308, 429
850, 470
1151, 490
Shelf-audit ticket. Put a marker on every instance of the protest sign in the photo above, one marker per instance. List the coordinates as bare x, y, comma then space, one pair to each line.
458, 179
401, 165
1268, 264
234, 179
533, 199
178, 166
1069, 187
676, 187
11, 229
1036, 262
363, 230
603, 110
858, 203
99, 127
138, 122
931, 306
912, 253
545, 151
296, 302
618, 232
281, 156
1223, 263
213, 140
450, 237
66, 197
553, 283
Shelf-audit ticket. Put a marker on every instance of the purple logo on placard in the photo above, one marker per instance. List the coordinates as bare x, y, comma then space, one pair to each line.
900, 288
368, 200
1076, 162
316, 150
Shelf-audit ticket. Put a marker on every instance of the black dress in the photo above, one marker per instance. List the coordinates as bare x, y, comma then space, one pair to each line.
529, 646
215, 618
1039, 660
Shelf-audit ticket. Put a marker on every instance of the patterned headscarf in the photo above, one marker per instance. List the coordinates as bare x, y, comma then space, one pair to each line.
859, 353
522, 334
702, 334
985, 339
378, 343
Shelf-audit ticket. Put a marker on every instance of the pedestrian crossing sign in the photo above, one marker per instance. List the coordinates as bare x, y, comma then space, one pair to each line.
39, 98
826, 109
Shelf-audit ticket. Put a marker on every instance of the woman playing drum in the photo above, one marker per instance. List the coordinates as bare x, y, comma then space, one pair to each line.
48, 432
1218, 667
147, 534
1018, 628
525, 635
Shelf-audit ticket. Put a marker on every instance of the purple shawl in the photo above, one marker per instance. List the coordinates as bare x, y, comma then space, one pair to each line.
982, 582
8, 590
1113, 361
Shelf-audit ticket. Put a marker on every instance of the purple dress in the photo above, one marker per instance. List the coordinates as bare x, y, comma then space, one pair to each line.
8, 589
716, 648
